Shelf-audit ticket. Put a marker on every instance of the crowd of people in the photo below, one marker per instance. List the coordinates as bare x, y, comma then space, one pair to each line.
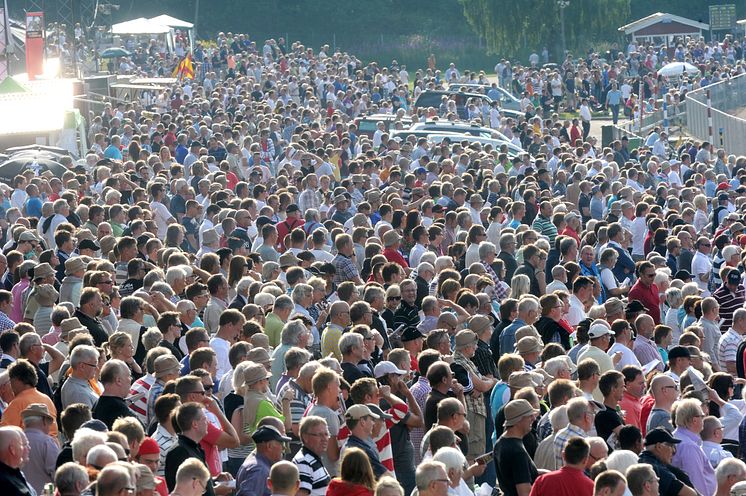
237, 291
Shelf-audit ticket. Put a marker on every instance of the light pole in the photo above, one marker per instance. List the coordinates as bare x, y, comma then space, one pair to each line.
563, 4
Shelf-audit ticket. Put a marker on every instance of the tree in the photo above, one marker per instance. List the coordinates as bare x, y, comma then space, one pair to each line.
510, 28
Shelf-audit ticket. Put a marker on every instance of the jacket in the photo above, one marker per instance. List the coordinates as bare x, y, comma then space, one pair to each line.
338, 487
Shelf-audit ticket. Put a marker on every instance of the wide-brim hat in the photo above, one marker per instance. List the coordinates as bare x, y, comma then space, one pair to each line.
36, 410
43, 270
46, 295
254, 373
73, 265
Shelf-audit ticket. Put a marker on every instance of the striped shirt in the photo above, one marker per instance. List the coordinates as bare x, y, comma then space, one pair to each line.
728, 347
166, 441
140, 389
313, 476
729, 302
561, 439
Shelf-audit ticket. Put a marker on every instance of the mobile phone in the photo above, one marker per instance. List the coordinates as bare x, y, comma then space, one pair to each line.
484, 459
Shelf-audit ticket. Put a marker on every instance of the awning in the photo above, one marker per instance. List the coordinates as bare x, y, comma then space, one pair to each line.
140, 26
173, 22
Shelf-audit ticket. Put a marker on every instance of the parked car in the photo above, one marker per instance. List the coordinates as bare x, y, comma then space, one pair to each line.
507, 100
433, 98
367, 125
459, 127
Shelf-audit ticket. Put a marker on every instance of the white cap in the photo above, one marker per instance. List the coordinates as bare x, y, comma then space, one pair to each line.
386, 367
599, 330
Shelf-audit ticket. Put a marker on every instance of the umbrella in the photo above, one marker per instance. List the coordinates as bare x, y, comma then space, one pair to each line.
17, 164
37, 148
678, 69
112, 53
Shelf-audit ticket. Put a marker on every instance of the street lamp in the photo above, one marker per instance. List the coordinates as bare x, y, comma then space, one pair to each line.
563, 4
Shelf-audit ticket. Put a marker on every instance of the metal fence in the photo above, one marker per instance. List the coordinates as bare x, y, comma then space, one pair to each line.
726, 98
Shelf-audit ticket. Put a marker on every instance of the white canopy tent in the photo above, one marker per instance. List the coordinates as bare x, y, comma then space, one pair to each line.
173, 22
140, 25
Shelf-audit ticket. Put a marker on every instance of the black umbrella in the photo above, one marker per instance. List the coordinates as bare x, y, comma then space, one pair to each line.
17, 164
37, 148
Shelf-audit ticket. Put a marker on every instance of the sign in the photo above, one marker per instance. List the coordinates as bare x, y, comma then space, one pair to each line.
34, 44
722, 17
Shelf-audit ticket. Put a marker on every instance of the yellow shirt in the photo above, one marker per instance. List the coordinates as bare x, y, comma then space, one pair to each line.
12, 414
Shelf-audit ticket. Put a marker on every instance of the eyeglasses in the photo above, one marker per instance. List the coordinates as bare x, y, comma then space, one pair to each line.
89, 364
106, 282
319, 434
650, 274
394, 298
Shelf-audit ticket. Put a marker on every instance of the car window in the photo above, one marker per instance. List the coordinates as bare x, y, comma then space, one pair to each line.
367, 126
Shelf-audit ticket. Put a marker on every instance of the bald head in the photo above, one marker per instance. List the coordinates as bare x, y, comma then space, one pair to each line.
13, 446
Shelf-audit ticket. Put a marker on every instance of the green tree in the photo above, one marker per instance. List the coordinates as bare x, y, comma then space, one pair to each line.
513, 28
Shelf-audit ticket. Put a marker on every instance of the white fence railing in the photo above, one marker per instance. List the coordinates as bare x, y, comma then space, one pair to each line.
726, 98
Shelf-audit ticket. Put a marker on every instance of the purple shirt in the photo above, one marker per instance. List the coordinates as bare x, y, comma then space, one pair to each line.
690, 458
646, 351
420, 390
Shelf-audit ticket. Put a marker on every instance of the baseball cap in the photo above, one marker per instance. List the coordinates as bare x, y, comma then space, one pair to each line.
599, 330
378, 411
268, 433
356, 412
678, 352
659, 435
386, 367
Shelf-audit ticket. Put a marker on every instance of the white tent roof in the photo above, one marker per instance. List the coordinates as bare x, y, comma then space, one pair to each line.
140, 26
173, 22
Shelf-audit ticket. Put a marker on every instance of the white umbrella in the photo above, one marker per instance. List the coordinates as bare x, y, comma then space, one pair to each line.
678, 69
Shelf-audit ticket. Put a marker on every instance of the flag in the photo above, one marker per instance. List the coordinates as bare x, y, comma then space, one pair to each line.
185, 68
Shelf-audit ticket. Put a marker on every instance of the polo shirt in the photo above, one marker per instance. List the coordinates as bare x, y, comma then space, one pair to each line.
76, 390
649, 297
370, 450
109, 408
729, 302
567, 481
184, 449
12, 414
313, 476
632, 408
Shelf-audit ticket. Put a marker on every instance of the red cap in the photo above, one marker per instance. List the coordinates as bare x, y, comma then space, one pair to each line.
149, 447
722, 186
742, 240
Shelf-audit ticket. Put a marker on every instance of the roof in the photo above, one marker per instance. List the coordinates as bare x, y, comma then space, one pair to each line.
173, 22
139, 26
661, 17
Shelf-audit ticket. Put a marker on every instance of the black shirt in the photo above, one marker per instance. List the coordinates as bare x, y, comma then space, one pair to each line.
530, 440
109, 408
42, 385
13, 482
94, 326
352, 372
513, 464
174, 349
185, 448
65, 455
431, 407
606, 421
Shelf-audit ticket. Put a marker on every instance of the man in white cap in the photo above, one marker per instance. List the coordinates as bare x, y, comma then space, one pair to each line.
600, 339
516, 471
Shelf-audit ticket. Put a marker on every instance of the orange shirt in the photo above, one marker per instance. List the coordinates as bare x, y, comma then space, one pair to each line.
12, 414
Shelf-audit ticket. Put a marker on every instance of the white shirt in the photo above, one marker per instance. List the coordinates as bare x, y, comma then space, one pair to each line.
639, 228
415, 254
18, 198
701, 264
161, 214
585, 113
221, 347
577, 311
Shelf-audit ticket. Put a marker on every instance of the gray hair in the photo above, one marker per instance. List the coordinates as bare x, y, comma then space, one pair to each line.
686, 410
59, 205
112, 479
348, 341
100, 455
151, 278
452, 458
151, 338
85, 439
163, 287
244, 284
129, 306
387, 484
292, 331
486, 248
728, 467
301, 291
69, 476
309, 369
27, 342
83, 353
296, 358
506, 239
284, 302
175, 273
427, 472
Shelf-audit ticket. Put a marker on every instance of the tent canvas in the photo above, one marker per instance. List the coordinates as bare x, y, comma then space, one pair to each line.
10, 85
139, 26
173, 22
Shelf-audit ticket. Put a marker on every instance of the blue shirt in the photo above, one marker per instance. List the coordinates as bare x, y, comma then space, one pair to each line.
507, 338
181, 153
113, 153
614, 97
33, 207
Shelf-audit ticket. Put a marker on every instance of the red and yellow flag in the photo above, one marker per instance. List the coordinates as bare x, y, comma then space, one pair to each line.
185, 68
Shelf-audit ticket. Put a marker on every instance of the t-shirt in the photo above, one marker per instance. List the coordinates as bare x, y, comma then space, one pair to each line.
333, 424
606, 421
659, 418
513, 465
161, 215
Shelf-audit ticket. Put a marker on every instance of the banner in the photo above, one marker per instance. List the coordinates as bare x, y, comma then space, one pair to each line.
34, 44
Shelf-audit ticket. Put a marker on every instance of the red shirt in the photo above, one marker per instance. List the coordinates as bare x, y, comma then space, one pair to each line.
649, 297
567, 481
396, 257
212, 453
647, 402
632, 409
